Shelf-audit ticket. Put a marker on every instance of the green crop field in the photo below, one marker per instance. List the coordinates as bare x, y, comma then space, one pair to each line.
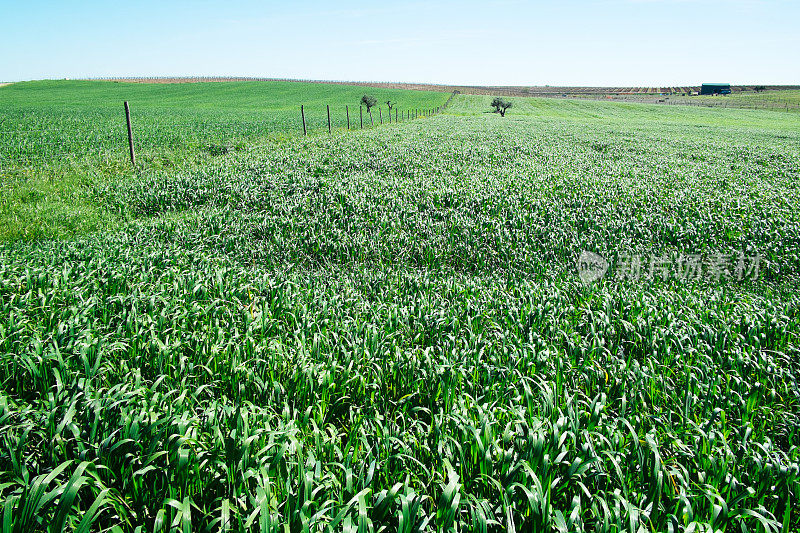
59, 140
390, 330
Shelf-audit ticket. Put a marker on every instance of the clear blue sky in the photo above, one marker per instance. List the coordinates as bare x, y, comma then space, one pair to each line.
556, 42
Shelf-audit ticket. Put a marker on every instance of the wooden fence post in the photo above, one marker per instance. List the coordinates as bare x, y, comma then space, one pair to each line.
361, 110
347, 110
380, 115
371, 120
130, 134
303, 116
328, 107
395, 115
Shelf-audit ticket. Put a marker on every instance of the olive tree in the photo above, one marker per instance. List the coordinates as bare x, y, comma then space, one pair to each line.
368, 101
501, 105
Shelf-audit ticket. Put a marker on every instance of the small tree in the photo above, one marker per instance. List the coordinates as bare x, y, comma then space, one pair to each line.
759, 88
501, 105
390, 105
496, 103
368, 101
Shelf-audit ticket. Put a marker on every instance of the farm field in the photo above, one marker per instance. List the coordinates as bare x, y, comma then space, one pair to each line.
386, 330
61, 139
786, 100
789, 100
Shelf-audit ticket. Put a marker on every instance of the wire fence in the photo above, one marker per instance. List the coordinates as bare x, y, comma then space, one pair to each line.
105, 138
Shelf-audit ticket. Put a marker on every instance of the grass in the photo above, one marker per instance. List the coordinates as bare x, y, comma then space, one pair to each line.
61, 139
385, 331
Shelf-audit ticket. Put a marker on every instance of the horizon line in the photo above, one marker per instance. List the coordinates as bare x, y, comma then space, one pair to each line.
234, 78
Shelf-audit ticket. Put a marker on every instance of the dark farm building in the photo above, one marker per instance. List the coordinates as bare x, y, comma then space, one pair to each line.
715, 88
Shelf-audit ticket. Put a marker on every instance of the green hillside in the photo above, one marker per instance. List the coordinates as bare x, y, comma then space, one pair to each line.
59, 139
